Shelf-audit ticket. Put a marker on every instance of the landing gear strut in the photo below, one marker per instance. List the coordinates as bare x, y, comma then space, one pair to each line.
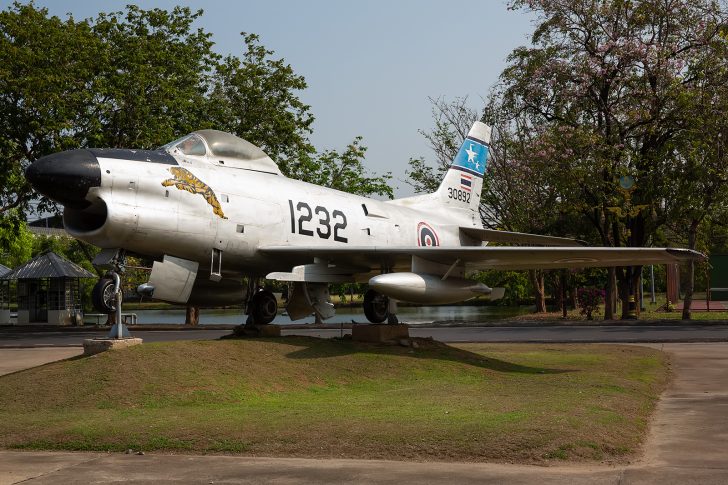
106, 294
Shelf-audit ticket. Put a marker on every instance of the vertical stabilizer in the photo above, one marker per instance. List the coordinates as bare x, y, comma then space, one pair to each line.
463, 182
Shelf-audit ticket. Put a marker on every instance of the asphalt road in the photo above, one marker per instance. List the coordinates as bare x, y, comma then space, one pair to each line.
687, 333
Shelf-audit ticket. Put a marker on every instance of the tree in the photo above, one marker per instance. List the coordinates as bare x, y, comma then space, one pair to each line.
607, 88
141, 78
343, 171
700, 177
154, 79
46, 68
515, 195
255, 98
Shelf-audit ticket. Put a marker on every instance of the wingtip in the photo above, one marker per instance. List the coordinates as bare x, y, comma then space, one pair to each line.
687, 254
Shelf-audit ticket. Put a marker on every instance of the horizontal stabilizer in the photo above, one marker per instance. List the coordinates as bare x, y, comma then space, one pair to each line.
507, 237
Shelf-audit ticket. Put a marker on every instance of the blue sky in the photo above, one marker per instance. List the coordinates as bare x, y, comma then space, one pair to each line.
370, 66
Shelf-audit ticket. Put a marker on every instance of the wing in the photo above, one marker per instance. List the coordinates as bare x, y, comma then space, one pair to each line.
508, 237
481, 257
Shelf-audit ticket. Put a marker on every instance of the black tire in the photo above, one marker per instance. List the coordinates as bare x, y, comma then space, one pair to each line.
103, 297
263, 307
376, 306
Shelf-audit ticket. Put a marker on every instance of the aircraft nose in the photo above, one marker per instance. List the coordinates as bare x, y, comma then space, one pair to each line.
66, 177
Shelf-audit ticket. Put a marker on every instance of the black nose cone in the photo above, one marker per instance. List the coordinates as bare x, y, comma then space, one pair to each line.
66, 177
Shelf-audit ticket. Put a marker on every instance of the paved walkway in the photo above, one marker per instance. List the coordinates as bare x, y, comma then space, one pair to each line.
688, 443
13, 360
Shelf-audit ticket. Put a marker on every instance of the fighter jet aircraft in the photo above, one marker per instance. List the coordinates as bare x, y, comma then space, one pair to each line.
210, 208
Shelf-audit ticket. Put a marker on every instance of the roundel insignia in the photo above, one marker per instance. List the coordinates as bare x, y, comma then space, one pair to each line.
426, 235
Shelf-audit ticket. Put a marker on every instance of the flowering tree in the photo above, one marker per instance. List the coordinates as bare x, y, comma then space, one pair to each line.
606, 90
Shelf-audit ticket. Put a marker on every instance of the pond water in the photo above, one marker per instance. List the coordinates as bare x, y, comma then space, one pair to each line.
411, 315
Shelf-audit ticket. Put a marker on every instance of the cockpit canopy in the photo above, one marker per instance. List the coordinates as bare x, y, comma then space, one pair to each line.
224, 149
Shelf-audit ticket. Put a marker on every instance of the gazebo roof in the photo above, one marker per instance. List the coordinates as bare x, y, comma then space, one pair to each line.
4, 270
48, 265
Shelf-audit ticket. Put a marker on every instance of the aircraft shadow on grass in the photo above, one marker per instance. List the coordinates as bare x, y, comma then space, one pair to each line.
428, 349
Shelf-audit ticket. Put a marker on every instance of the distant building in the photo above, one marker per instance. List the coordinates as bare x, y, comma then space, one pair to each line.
719, 277
48, 291
48, 226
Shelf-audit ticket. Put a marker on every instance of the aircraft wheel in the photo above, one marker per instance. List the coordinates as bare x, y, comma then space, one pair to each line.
263, 307
376, 306
103, 297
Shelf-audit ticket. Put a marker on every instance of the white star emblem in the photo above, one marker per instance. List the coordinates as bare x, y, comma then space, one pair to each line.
471, 154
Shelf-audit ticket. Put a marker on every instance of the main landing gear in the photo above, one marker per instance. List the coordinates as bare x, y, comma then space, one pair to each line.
262, 305
378, 308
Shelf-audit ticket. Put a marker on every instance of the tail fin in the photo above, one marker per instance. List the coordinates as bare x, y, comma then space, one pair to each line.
463, 181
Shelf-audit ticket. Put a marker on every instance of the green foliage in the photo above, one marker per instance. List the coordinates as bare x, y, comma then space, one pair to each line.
343, 171
589, 300
139, 79
15, 240
255, 98
155, 74
518, 287
46, 68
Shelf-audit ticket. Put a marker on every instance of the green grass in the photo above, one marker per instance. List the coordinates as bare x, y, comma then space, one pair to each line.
299, 396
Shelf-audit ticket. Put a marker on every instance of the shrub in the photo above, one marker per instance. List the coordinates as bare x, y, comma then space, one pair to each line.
589, 300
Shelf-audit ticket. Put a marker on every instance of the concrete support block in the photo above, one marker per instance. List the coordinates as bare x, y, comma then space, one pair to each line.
93, 346
263, 330
379, 333
247, 331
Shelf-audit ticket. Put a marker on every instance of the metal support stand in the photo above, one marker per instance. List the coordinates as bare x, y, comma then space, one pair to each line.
119, 330
118, 263
252, 289
392, 316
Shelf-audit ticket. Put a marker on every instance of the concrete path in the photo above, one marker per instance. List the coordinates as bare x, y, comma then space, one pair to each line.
688, 443
13, 360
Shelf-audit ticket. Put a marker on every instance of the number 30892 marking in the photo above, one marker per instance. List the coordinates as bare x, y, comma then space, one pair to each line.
457, 194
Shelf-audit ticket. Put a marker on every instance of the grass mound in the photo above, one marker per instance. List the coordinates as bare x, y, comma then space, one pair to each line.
300, 396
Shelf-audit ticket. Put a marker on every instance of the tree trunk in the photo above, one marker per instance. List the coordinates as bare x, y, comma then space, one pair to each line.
563, 294
627, 286
609, 303
192, 315
537, 281
690, 283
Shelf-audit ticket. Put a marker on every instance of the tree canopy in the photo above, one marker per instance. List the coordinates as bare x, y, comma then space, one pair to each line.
138, 79
608, 91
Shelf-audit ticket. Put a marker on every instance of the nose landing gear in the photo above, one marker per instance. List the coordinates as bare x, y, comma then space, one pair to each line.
103, 295
106, 295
